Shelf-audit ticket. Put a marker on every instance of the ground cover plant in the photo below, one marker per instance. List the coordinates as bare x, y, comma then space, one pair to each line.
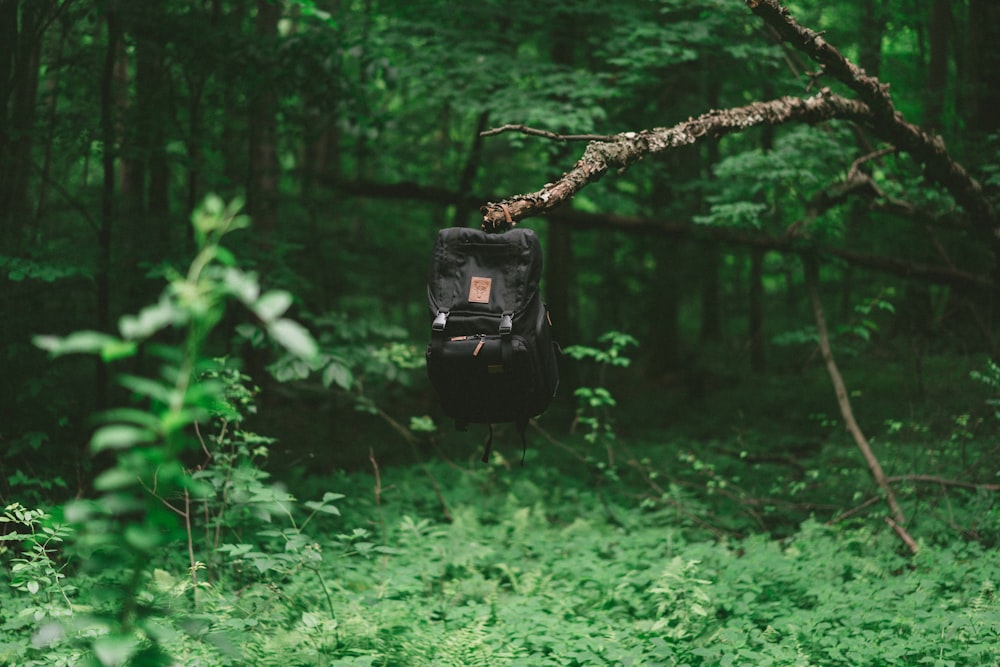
608, 547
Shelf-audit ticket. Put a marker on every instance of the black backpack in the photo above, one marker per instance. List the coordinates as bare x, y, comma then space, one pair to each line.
491, 358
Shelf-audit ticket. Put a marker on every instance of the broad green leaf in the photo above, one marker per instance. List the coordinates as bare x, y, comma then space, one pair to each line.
143, 537
115, 650
272, 305
146, 387
151, 319
293, 337
241, 284
79, 342
115, 479
120, 436
118, 349
130, 415
322, 507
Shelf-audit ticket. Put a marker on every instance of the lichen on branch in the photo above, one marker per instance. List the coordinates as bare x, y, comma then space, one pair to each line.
623, 150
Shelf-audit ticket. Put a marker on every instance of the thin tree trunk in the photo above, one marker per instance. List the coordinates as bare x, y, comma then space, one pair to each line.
262, 190
758, 360
937, 66
52, 90
20, 58
872, 31
843, 400
469, 171
108, 136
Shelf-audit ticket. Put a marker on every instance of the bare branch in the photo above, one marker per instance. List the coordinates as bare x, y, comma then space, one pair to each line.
629, 147
944, 481
843, 400
524, 129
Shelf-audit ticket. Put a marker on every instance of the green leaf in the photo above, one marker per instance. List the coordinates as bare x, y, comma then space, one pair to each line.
132, 416
293, 337
146, 387
151, 319
241, 284
115, 650
322, 507
338, 374
79, 342
120, 436
115, 479
118, 349
143, 537
272, 305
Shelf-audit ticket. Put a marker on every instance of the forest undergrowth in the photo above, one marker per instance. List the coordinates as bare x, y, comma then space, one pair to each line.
686, 552
672, 532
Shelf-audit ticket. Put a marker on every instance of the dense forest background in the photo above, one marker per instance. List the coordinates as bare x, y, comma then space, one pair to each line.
353, 130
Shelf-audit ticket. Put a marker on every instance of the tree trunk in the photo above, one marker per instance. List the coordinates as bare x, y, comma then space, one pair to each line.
52, 106
262, 189
982, 64
463, 210
21, 36
758, 358
871, 33
109, 151
937, 66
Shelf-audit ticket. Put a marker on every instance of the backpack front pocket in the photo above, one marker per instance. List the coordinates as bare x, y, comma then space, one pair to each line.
482, 377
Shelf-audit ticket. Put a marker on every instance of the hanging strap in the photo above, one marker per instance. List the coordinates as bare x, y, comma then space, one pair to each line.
506, 225
522, 427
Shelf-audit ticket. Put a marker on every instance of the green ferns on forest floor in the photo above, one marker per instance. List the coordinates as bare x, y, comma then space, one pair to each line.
534, 570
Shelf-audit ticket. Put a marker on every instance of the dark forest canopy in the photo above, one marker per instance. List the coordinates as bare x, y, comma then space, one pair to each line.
863, 132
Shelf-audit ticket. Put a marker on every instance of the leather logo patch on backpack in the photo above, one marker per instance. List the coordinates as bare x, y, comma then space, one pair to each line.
479, 289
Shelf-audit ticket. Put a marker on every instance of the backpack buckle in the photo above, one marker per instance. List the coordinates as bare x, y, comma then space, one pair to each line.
506, 324
440, 320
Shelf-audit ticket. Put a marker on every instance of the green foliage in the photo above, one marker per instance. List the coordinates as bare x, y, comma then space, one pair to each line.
133, 517
595, 405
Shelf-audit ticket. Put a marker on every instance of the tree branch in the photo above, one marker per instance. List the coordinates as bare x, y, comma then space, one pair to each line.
524, 129
938, 275
843, 400
625, 149
885, 119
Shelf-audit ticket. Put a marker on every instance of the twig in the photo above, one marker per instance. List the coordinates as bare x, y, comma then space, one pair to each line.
903, 535
524, 129
378, 495
855, 510
844, 401
943, 482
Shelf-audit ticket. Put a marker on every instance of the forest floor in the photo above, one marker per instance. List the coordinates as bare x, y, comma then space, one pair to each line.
736, 529
739, 527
